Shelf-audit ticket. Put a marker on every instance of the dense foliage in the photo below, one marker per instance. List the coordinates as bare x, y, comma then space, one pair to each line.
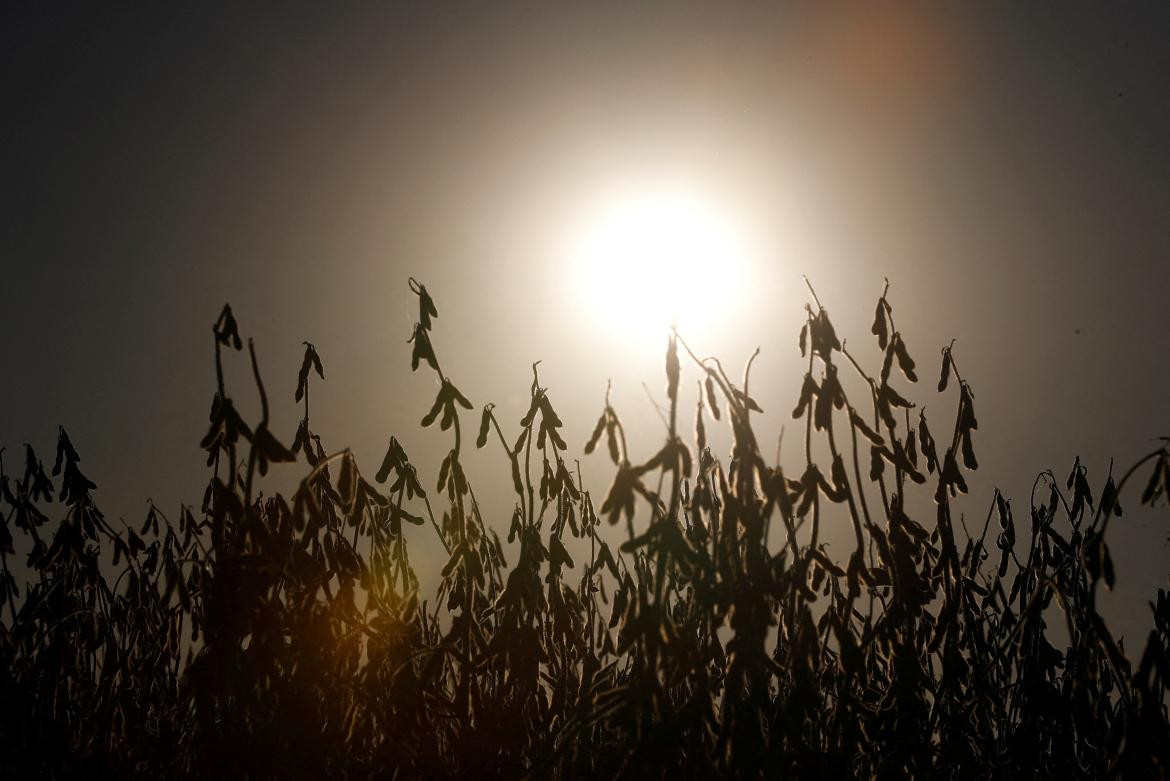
282, 637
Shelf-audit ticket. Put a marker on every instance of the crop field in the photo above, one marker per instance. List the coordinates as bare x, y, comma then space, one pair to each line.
257, 634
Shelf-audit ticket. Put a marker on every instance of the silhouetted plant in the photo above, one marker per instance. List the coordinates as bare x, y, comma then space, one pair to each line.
266, 636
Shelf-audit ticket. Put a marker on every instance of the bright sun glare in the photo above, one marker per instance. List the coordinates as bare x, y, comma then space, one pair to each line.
647, 260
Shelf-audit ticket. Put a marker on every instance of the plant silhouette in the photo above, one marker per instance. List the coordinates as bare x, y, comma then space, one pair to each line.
272, 636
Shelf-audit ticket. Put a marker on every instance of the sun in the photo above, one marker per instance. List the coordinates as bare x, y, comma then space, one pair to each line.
646, 260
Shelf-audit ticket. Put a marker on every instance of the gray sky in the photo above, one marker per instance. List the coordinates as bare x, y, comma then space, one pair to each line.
1005, 166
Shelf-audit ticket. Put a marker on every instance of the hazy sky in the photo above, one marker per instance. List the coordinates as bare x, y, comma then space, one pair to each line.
1006, 166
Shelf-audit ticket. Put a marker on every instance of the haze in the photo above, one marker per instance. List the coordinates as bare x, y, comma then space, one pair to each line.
1006, 167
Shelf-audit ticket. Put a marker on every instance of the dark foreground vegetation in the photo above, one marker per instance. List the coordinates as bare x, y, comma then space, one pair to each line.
286, 636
